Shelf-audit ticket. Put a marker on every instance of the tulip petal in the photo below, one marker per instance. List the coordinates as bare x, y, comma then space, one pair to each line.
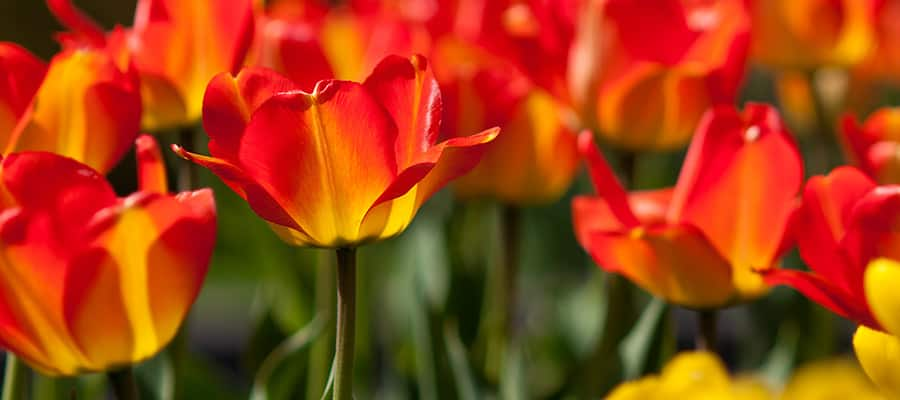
84, 28
186, 43
230, 101
879, 356
676, 263
430, 172
593, 214
406, 88
738, 185
293, 48
822, 223
21, 74
327, 157
873, 232
605, 181
881, 279
823, 292
641, 24
86, 109
151, 167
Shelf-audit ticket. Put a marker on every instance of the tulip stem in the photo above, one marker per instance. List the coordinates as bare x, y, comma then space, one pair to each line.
346, 315
124, 384
187, 171
707, 331
15, 379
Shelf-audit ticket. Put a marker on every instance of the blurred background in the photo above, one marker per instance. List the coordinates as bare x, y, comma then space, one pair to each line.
423, 294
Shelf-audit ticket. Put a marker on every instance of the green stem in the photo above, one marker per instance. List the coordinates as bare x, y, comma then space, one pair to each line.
346, 315
320, 357
124, 384
707, 330
15, 380
187, 171
511, 231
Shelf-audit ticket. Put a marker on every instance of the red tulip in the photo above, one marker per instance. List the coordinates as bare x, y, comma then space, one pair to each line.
91, 281
177, 47
875, 145
699, 243
346, 164
84, 105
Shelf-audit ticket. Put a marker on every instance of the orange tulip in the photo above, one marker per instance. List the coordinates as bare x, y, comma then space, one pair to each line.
91, 281
848, 233
535, 159
698, 244
346, 164
83, 106
177, 47
874, 146
805, 34
652, 92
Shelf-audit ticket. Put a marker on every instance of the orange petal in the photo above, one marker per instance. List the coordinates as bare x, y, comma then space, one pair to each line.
593, 214
151, 167
187, 43
676, 263
86, 109
21, 74
738, 186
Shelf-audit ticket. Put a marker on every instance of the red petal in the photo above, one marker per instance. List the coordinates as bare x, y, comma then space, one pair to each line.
86, 29
230, 101
605, 182
641, 24
21, 74
293, 48
151, 167
822, 292
406, 88
739, 182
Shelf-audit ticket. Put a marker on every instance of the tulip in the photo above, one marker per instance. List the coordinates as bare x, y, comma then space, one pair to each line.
93, 282
176, 46
535, 159
692, 375
806, 34
847, 233
873, 146
82, 106
651, 92
698, 244
348, 164
837, 378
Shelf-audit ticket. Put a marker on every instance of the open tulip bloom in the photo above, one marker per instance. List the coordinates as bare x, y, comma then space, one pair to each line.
93, 282
874, 145
348, 164
698, 244
848, 234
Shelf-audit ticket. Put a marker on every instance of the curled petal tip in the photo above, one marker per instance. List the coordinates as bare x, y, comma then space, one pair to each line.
181, 152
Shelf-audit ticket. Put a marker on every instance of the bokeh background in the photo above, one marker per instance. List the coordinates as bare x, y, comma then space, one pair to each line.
423, 295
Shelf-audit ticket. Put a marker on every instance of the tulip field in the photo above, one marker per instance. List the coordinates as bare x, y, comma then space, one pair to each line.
450, 199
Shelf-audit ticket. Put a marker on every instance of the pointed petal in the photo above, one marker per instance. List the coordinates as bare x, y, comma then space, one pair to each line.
406, 88
86, 109
151, 167
21, 74
593, 214
676, 263
879, 356
85, 29
823, 292
738, 184
606, 184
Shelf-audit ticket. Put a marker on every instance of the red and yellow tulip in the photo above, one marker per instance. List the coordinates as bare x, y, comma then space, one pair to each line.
848, 233
874, 145
176, 46
806, 34
82, 106
346, 164
698, 244
91, 281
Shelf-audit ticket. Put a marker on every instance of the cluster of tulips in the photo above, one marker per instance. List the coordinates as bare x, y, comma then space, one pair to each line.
337, 122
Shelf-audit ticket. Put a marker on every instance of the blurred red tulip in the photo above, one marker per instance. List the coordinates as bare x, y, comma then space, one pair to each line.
177, 47
93, 282
697, 244
346, 164
83, 106
874, 146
